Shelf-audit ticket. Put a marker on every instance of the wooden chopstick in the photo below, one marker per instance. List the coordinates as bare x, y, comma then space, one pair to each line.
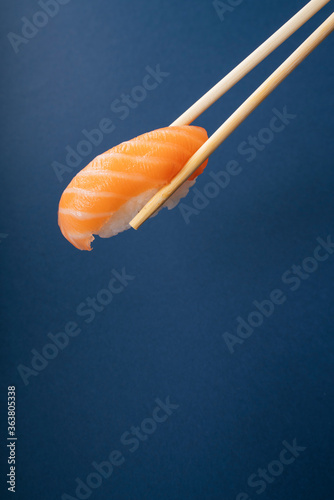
235, 120
250, 62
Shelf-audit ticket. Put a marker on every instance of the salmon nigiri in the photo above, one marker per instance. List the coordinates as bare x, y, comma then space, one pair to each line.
104, 196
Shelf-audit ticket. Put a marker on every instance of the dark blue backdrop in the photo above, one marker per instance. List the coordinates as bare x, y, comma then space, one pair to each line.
165, 335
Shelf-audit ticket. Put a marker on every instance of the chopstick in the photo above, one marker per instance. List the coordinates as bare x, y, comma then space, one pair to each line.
250, 62
235, 120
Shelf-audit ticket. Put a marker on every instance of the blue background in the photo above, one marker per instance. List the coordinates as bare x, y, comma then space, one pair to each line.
163, 335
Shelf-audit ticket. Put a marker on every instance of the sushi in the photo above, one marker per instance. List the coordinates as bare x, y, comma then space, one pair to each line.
103, 197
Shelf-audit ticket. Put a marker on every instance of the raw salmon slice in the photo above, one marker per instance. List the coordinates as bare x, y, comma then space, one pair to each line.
104, 196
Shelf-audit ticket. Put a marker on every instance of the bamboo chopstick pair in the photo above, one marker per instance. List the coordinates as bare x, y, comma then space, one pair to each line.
249, 105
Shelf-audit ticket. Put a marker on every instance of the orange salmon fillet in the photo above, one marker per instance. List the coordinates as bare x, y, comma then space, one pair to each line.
99, 190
